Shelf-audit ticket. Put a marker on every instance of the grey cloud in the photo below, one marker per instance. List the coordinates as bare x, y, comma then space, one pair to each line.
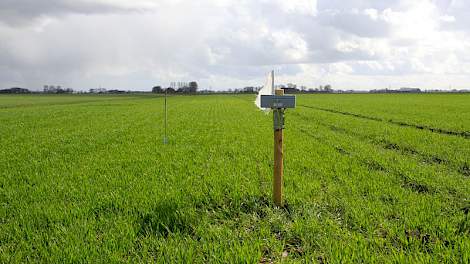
253, 72
347, 6
355, 23
459, 10
24, 12
321, 33
389, 68
443, 4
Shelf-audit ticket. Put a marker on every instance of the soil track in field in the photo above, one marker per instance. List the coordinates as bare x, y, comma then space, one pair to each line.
464, 134
462, 168
406, 181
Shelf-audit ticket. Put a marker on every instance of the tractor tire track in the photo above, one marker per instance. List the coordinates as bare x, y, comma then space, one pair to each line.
404, 180
463, 168
463, 134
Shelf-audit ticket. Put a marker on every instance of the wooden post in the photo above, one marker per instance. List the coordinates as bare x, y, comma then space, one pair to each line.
278, 160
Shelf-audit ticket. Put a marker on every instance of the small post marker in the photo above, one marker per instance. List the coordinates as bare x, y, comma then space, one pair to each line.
278, 102
165, 138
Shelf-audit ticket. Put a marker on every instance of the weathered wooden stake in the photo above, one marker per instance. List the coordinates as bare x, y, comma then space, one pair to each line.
278, 183
278, 102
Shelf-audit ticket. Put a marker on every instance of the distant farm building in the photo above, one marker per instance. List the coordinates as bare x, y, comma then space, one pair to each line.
409, 90
98, 90
14, 90
289, 90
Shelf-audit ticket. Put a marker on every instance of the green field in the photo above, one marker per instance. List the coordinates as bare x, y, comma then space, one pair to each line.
368, 178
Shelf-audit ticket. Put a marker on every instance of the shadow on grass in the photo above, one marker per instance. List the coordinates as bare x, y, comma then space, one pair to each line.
244, 213
165, 219
234, 207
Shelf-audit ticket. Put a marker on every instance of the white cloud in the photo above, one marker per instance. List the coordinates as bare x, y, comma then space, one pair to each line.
306, 7
136, 44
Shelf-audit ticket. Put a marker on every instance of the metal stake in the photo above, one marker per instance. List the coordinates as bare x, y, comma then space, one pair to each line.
165, 138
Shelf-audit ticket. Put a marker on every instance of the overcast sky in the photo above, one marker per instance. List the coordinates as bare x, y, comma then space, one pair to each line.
135, 44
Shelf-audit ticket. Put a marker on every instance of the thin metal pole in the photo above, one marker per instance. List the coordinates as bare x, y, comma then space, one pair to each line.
165, 139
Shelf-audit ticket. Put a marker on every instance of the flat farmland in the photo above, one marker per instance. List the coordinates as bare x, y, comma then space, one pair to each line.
368, 178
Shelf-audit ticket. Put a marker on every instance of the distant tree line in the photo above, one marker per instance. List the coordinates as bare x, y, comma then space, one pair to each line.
51, 89
288, 89
190, 88
401, 90
292, 89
